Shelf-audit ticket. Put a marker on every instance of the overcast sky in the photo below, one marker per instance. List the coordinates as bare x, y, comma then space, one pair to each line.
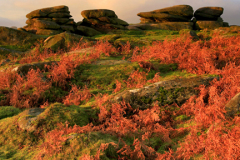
13, 12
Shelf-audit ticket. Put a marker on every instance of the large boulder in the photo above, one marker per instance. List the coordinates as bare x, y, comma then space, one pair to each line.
208, 13
102, 20
163, 17
26, 118
87, 31
200, 25
165, 92
44, 12
62, 41
178, 13
97, 13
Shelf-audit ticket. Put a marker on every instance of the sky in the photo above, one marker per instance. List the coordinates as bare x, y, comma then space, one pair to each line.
13, 12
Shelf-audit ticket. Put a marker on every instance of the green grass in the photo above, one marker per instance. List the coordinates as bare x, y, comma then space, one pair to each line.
138, 38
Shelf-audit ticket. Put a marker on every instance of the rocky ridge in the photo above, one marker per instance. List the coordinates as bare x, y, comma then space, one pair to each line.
102, 20
52, 20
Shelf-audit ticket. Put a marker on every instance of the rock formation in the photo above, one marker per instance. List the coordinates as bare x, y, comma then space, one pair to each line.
208, 13
164, 91
102, 20
48, 21
209, 17
178, 13
171, 18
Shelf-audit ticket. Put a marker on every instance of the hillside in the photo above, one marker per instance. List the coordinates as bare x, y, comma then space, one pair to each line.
126, 94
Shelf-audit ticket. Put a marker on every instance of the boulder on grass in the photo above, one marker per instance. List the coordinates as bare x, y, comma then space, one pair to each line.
165, 92
62, 41
87, 31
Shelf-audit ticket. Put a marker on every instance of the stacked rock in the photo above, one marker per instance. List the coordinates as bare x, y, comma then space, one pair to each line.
173, 18
178, 13
49, 21
102, 20
209, 17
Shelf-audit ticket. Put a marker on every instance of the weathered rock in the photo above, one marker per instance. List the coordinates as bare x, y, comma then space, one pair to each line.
71, 22
62, 40
180, 10
49, 21
113, 21
147, 20
166, 92
4, 61
208, 13
178, 13
27, 117
89, 22
219, 19
25, 68
102, 20
60, 20
177, 26
47, 32
32, 21
59, 15
163, 17
225, 24
97, 13
87, 31
69, 28
200, 25
233, 106
46, 24
45, 11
